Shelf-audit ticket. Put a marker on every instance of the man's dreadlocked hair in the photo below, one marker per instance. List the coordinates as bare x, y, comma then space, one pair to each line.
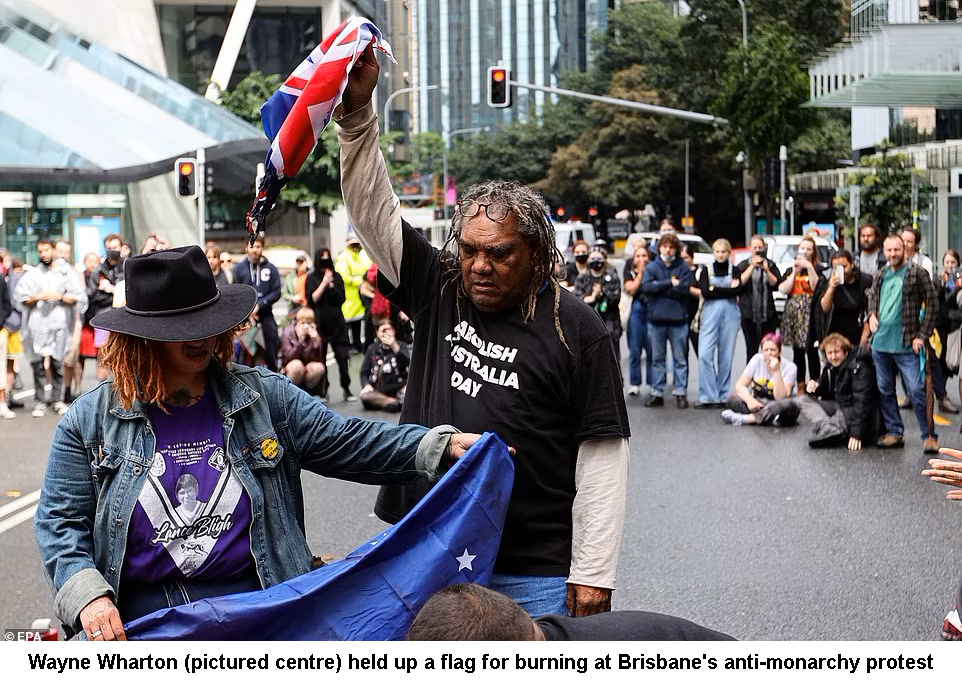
533, 225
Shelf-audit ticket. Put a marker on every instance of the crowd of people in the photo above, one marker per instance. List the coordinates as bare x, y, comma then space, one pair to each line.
46, 321
865, 322
499, 345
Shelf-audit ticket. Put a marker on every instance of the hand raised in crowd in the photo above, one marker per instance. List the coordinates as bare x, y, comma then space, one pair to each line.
774, 364
947, 472
582, 600
101, 621
362, 80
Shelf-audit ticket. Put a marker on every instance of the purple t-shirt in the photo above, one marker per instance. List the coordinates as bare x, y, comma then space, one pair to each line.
192, 519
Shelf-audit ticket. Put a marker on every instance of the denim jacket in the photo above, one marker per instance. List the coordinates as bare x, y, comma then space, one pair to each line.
101, 452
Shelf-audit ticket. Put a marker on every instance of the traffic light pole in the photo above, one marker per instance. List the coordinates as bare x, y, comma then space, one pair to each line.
634, 105
201, 197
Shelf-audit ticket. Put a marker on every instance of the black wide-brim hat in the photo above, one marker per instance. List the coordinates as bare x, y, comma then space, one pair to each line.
172, 297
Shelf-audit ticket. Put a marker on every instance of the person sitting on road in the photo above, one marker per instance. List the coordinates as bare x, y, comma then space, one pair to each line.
764, 391
134, 538
843, 403
470, 612
384, 371
301, 359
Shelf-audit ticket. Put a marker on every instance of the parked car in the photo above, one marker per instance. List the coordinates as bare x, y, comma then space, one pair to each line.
699, 248
566, 234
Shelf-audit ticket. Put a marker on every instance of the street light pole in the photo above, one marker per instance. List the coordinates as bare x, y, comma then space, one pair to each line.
783, 161
748, 196
400, 92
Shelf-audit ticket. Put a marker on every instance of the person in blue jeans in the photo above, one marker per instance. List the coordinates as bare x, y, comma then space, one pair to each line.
900, 328
720, 318
638, 321
666, 282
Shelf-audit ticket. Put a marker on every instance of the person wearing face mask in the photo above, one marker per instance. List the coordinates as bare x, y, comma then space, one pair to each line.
48, 297
579, 264
599, 287
666, 282
102, 281
720, 286
324, 289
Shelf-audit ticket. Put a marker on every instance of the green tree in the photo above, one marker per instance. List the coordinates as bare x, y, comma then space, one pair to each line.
319, 179
764, 101
886, 192
622, 159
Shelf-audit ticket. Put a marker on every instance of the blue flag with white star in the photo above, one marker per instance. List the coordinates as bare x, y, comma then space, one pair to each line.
375, 592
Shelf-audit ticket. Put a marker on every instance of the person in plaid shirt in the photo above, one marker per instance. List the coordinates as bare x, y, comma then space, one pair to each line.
902, 308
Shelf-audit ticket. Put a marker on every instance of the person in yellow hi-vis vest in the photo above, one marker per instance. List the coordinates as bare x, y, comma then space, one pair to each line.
352, 264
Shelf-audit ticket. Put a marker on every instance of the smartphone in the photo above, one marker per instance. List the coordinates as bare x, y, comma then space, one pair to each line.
840, 272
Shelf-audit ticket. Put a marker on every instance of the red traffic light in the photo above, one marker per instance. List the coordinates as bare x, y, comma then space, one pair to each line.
186, 171
499, 95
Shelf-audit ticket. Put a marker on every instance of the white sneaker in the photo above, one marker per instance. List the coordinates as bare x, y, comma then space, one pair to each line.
40, 410
6, 413
634, 391
61, 408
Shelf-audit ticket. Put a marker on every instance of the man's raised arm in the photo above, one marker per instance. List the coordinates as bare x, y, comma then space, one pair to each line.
372, 206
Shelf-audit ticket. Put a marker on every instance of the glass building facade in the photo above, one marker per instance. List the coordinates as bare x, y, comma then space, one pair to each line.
277, 40
537, 39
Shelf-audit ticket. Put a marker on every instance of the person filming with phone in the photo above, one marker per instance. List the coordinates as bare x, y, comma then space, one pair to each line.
843, 300
758, 276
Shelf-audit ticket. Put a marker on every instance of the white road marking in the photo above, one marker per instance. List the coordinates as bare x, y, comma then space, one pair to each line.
12, 522
21, 502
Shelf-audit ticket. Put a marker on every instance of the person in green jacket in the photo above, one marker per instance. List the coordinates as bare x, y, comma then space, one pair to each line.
352, 264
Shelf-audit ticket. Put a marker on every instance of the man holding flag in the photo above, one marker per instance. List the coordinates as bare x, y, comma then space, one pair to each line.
500, 346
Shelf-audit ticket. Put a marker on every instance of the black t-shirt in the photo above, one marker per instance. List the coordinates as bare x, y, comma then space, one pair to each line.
492, 372
621, 626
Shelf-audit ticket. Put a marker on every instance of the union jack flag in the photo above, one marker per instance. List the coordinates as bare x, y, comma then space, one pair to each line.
297, 113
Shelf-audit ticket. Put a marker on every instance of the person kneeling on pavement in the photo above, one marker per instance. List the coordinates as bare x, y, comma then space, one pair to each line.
301, 358
384, 371
842, 404
764, 393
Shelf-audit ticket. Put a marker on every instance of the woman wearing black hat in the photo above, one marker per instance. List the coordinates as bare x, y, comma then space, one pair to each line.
180, 478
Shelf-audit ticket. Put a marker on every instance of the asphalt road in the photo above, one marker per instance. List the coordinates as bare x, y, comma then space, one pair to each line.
745, 530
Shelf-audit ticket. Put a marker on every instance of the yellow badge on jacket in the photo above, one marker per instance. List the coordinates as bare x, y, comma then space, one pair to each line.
269, 448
